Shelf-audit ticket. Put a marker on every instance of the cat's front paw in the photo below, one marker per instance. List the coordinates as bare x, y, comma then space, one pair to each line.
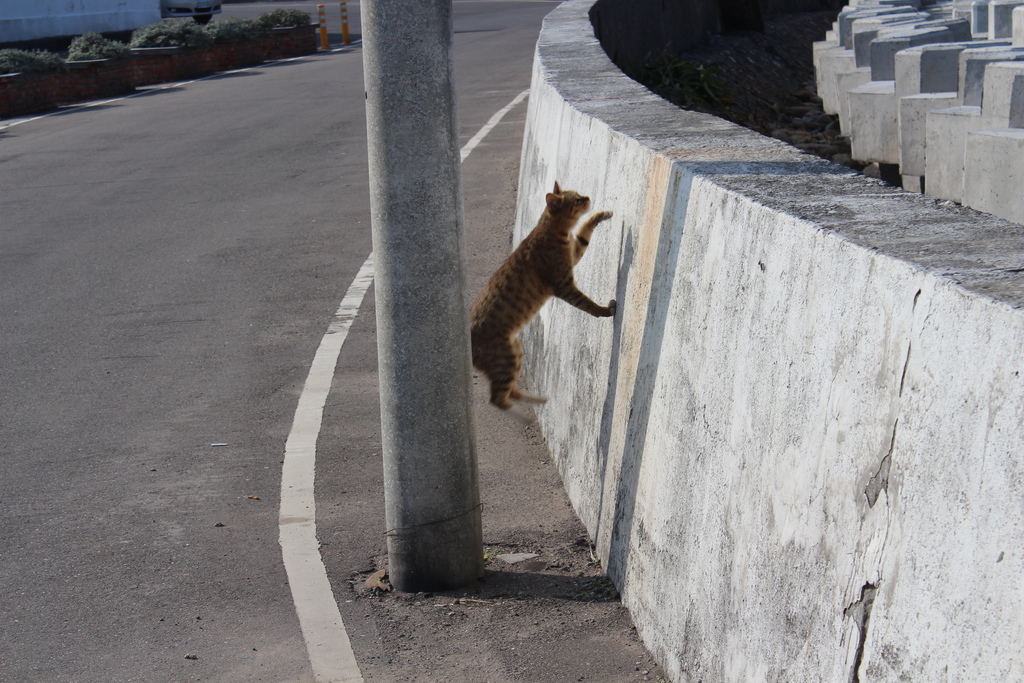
612, 306
602, 216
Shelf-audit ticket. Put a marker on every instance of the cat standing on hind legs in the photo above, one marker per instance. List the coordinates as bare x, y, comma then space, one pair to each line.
540, 267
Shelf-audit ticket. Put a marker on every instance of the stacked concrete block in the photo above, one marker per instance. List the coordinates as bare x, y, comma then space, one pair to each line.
979, 19
900, 76
830, 61
863, 31
1003, 106
948, 129
874, 117
883, 49
1000, 18
973, 64
926, 79
835, 59
994, 155
961, 9
874, 106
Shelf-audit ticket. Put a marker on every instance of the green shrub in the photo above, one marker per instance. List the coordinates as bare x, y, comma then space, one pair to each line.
95, 46
25, 61
171, 33
234, 30
284, 18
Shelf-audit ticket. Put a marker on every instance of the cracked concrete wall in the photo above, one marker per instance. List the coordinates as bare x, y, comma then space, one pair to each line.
798, 444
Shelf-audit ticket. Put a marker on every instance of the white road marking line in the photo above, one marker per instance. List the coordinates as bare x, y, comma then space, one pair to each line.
330, 652
498, 116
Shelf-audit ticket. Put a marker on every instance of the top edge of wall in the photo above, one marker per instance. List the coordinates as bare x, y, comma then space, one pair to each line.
976, 250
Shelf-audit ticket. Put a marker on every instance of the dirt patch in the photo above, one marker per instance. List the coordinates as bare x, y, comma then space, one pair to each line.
544, 611
767, 84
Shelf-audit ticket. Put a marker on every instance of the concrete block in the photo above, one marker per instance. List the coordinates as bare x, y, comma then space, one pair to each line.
935, 67
1018, 27
1000, 18
972, 70
946, 139
830, 64
979, 18
928, 68
883, 48
962, 9
820, 48
845, 82
943, 10
865, 30
874, 122
1002, 104
912, 183
994, 173
913, 116
850, 14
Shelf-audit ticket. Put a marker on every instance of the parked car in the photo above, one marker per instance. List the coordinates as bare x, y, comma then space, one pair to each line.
200, 10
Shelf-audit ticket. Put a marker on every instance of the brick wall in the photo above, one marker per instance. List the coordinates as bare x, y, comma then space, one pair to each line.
80, 81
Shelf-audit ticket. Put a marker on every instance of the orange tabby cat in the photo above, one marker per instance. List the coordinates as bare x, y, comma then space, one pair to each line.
540, 267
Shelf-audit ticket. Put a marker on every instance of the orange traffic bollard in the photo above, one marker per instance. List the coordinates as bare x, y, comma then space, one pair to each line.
344, 24
323, 27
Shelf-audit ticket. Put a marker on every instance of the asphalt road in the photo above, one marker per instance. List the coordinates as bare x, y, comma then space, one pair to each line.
168, 264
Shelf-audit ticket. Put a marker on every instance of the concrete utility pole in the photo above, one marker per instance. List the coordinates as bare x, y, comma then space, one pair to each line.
432, 499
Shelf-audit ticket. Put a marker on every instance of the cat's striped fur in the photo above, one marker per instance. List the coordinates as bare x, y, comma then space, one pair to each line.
540, 267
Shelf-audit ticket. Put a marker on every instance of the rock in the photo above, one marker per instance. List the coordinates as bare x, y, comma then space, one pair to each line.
820, 149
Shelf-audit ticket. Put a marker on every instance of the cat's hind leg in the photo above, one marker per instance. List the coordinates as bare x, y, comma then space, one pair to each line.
500, 363
516, 394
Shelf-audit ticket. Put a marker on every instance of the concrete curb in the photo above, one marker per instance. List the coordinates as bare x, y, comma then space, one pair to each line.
798, 443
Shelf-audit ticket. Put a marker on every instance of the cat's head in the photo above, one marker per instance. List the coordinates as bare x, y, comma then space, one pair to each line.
567, 203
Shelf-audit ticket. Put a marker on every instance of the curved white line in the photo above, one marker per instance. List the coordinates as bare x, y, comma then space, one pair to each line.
498, 116
330, 652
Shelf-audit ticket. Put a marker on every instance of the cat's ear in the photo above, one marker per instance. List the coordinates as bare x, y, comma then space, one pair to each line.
557, 189
554, 201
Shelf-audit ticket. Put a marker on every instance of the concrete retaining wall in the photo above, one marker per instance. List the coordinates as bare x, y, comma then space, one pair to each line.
798, 444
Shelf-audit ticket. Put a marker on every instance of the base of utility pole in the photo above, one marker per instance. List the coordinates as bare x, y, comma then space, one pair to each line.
432, 498
441, 556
